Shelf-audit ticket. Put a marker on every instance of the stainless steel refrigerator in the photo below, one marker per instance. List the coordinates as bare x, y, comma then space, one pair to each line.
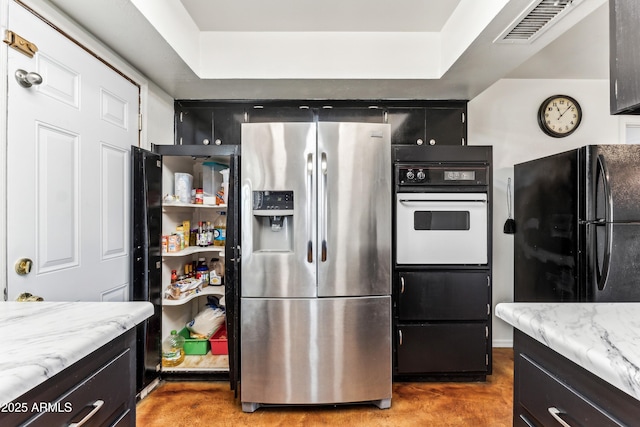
577, 217
315, 306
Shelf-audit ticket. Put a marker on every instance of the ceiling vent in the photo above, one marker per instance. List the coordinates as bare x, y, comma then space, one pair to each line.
535, 20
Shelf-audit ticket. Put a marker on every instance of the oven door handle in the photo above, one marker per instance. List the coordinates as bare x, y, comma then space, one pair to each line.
422, 201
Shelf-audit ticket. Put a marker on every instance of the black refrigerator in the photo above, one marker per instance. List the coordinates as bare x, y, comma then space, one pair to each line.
146, 257
577, 219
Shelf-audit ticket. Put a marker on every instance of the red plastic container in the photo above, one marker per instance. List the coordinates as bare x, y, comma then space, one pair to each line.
219, 341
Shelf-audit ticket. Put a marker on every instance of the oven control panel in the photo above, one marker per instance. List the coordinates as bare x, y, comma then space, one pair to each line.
416, 174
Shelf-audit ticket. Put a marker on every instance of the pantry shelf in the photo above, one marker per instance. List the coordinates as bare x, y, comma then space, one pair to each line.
194, 250
191, 205
206, 363
217, 290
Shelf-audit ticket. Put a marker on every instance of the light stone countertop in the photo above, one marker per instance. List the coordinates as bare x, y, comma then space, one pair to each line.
40, 339
603, 338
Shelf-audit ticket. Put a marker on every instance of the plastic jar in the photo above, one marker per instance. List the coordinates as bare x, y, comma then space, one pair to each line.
202, 271
216, 272
173, 349
199, 196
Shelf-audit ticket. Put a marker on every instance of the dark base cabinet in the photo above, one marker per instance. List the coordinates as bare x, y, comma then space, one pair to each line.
442, 325
441, 348
548, 386
99, 389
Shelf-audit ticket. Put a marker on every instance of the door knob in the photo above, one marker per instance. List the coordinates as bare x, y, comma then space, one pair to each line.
26, 79
23, 266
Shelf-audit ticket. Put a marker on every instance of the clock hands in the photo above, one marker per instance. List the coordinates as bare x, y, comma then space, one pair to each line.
568, 108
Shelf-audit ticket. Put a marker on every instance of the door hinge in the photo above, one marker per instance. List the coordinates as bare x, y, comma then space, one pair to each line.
463, 117
180, 116
488, 309
6, 293
139, 121
20, 44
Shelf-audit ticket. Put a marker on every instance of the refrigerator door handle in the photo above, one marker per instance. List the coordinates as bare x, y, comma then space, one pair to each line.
309, 211
323, 192
603, 276
608, 201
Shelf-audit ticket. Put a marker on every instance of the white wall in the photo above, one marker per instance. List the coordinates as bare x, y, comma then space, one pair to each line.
505, 116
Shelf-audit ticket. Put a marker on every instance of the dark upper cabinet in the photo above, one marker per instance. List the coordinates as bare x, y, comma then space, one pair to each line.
267, 114
226, 124
196, 125
428, 125
408, 125
412, 122
624, 56
446, 126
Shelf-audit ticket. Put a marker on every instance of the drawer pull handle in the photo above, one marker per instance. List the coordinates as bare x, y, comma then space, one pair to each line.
555, 413
96, 407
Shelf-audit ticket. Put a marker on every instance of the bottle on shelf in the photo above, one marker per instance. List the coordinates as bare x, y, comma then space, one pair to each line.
174, 276
173, 350
220, 229
209, 234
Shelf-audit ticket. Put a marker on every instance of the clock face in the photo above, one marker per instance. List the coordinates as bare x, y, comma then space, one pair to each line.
559, 115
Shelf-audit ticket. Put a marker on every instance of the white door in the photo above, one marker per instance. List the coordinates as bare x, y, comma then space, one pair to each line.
68, 149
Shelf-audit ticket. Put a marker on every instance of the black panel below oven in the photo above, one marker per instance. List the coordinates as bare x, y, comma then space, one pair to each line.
444, 295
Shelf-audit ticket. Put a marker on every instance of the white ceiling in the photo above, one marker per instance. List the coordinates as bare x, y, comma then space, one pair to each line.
337, 49
326, 15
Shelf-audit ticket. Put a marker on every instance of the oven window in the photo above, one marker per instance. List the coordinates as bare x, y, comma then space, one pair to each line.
441, 220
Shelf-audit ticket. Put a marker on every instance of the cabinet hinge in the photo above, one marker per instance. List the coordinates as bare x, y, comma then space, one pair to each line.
6, 293
488, 309
20, 44
486, 332
486, 360
180, 116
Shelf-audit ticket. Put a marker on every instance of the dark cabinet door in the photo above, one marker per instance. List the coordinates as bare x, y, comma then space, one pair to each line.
226, 125
446, 126
624, 56
194, 126
408, 125
442, 348
447, 295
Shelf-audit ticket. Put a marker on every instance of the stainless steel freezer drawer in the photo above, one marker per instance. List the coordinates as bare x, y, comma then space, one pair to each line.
316, 351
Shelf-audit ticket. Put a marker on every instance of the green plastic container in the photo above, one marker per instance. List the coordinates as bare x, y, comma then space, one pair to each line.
194, 347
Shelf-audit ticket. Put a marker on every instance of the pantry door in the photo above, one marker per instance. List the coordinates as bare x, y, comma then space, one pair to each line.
68, 179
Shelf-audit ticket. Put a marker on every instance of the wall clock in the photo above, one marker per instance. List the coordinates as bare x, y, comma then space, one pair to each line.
559, 116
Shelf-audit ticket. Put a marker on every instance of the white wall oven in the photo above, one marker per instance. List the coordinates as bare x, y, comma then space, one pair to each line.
439, 218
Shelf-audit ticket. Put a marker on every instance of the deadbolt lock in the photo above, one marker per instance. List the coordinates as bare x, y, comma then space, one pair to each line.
23, 266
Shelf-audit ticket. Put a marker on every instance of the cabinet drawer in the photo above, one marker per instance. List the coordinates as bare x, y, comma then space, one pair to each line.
540, 390
451, 295
110, 385
441, 348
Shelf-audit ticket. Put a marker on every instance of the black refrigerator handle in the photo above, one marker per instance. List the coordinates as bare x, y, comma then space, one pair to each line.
603, 276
